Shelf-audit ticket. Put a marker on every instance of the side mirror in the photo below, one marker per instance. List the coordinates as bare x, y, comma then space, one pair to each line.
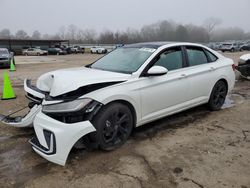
157, 71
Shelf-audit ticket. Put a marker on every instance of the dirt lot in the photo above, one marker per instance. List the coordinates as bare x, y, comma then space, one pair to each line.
195, 148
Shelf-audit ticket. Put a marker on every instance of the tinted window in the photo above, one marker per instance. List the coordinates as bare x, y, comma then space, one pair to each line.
170, 59
196, 56
212, 57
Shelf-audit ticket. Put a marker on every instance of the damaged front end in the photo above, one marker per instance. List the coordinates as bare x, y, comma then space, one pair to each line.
60, 126
59, 122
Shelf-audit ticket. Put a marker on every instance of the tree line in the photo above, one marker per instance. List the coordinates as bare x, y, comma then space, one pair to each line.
160, 31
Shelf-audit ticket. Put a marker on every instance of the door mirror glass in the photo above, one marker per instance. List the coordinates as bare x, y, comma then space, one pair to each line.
157, 71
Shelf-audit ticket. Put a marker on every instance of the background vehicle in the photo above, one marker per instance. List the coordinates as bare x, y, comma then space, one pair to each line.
230, 47
245, 47
56, 51
244, 66
35, 51
98, 50
5, 57
77, 49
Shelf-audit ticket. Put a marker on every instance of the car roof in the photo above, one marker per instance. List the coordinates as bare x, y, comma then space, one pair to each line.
154, 45
157, 45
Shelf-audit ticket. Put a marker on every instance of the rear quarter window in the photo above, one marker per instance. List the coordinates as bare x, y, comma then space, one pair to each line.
211, 56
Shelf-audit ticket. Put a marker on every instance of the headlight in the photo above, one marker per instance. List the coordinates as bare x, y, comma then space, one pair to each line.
72, 106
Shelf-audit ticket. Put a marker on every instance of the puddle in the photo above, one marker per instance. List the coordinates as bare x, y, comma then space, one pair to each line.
228, 103
234, 99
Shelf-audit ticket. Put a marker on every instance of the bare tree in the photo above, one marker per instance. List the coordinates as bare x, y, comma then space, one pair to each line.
233, 33
80, 35
72, 31
21, 34
106, 37
5, 33
89, 36
181, 33
210, 24
36, 35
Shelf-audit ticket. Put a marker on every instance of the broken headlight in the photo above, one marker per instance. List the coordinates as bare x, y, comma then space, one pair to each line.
66, 107
73, 111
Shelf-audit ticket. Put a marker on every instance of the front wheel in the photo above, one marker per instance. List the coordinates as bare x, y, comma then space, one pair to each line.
218, 96
113, 124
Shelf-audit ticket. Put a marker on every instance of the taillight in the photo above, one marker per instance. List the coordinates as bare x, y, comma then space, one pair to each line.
233, 67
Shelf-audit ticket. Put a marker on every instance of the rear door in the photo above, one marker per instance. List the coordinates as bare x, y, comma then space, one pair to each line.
161, 95
202, 73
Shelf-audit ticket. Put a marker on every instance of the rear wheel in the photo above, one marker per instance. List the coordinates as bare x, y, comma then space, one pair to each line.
218, 96
113, 124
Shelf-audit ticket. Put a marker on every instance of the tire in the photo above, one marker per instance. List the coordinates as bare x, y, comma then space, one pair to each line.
38, 54
113, 124
232, 50
218, 96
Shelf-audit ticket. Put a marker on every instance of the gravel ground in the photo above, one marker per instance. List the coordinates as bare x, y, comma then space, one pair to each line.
195, 148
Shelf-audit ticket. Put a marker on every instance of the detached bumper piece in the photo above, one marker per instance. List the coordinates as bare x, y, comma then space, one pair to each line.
20, 121
50, 140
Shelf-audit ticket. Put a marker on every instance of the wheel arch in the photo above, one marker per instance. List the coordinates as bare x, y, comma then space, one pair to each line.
224, 80
220, 79
129, 105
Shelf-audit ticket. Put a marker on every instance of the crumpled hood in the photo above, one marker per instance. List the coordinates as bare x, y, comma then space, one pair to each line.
63, 81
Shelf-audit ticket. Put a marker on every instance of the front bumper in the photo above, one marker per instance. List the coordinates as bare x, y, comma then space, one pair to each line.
55, 139
4, 63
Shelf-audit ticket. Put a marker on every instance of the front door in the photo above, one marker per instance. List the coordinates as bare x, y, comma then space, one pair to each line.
161, 95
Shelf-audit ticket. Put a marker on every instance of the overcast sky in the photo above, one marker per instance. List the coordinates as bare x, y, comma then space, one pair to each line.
48, 15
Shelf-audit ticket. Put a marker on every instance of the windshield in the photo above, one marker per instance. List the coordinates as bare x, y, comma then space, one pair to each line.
124, 60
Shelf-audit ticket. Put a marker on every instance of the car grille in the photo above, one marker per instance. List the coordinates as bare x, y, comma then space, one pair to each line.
3, 58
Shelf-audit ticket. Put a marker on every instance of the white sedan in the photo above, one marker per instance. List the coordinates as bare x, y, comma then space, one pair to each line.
100, 104
98, 50
35, 51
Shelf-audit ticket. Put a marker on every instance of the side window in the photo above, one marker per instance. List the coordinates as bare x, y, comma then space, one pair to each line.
211, 56
196, 56
170, 59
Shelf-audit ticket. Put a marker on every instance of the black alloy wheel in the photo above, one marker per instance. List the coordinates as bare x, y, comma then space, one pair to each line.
218, 96
113, 124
